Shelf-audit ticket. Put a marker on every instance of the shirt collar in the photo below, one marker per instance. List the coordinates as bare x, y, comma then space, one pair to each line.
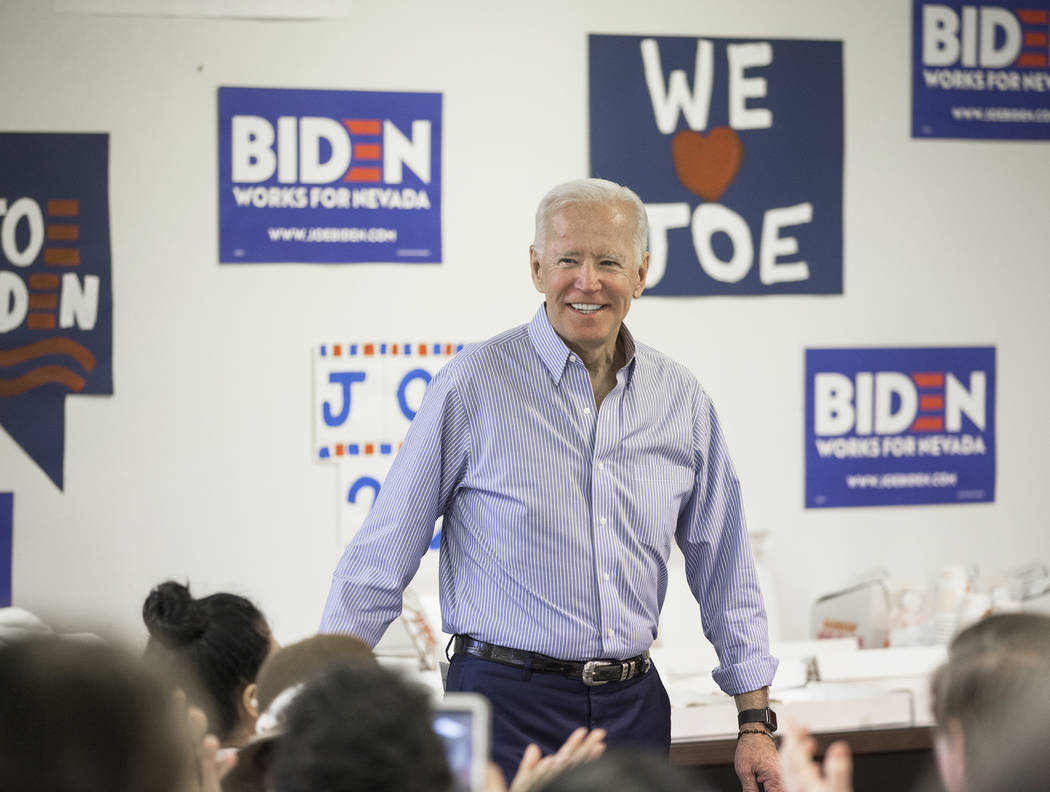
555, 354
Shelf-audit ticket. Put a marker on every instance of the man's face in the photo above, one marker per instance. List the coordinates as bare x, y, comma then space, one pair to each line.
589, 272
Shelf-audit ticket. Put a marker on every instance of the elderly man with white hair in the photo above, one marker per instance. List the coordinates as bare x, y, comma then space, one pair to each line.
564, 457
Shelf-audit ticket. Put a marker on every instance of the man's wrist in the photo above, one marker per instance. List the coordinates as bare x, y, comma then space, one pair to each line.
754, 718
752, 699
742, 732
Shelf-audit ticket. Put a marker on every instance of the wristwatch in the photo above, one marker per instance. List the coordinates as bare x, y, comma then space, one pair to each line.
766, 717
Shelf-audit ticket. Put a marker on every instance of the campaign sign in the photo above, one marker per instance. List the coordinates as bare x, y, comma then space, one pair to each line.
981, 70
888, 427
55, 292
735, 147
365, 397
366, 394
7, 518
329, 176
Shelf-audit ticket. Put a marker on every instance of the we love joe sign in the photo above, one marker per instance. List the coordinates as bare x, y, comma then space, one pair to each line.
735, 146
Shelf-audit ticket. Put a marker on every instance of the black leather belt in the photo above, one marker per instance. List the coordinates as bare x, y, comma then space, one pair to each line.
590, 672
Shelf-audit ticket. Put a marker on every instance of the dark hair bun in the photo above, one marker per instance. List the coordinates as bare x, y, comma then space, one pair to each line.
172, 615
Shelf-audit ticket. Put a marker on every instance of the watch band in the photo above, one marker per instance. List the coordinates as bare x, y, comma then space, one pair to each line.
765, 717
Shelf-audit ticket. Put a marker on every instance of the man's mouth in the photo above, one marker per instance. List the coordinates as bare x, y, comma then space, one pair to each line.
585, 308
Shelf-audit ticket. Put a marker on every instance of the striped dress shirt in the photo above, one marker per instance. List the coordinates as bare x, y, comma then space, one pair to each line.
558, 516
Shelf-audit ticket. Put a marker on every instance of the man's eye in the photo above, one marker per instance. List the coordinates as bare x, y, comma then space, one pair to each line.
566, 261
610, 263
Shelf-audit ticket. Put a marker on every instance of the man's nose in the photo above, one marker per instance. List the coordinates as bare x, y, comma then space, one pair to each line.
587, 277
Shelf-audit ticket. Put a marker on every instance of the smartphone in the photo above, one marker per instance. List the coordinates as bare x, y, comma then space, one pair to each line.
463, 721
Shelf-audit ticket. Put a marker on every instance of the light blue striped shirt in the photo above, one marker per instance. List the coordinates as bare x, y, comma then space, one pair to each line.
558, 517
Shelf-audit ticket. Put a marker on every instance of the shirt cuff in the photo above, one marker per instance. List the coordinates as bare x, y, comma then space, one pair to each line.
751, 674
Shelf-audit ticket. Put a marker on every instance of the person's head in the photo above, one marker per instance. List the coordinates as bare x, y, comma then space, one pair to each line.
84, 716
302, 662
1024, 764
282, 677
985, 691
588, 259
1025, 632
213, 648
359, 730
624, 771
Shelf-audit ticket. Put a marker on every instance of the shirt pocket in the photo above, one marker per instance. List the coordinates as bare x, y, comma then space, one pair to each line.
659, 493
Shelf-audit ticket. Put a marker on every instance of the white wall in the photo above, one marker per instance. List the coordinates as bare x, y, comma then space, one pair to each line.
199, 465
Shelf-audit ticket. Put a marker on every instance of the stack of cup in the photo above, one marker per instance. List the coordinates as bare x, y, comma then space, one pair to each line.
951, 589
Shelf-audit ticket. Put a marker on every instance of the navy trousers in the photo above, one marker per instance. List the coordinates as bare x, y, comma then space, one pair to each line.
528, 706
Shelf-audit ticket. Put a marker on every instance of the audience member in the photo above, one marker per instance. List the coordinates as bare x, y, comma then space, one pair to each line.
18, 624
364, 727
280, 679
301, 662
623, 771
991, 704
212, 648
84, 717
985, 698
359, 730
1027, 632
801, 773
1025, 767
535, 770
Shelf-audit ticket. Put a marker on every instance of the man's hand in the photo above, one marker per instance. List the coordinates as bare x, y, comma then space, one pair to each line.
756, 760
756, 763
801, 771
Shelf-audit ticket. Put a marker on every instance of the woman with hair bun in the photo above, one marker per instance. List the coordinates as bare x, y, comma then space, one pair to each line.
212, 648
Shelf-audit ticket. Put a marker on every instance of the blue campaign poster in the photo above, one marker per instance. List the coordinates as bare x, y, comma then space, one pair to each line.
56, 304
736, 147
329, 176
981, 71
900, 426
7, 517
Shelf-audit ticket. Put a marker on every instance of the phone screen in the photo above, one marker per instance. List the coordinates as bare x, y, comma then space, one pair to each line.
456, 729
463, 722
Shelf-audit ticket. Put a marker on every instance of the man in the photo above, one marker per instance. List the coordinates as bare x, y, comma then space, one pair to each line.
564, 456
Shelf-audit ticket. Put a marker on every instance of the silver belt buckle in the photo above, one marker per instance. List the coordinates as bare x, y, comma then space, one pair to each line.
588, 674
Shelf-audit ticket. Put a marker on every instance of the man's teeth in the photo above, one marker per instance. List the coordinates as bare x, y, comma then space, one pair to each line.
585, 307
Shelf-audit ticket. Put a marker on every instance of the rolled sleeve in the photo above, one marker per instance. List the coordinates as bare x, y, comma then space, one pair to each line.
751, 674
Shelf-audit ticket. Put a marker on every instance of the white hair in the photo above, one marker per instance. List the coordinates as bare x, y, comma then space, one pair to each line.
590, 191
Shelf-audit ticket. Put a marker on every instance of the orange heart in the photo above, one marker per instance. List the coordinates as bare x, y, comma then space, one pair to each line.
707, 165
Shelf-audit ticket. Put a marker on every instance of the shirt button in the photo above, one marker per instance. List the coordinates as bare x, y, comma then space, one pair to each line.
601, 521
601, 466
606, 576
612, 633
572, 358
586, 410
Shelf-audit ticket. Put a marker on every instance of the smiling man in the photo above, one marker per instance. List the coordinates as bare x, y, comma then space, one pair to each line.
564, 457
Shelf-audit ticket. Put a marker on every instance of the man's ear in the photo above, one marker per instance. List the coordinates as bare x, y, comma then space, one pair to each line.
535, 266
643, 270
250, 700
